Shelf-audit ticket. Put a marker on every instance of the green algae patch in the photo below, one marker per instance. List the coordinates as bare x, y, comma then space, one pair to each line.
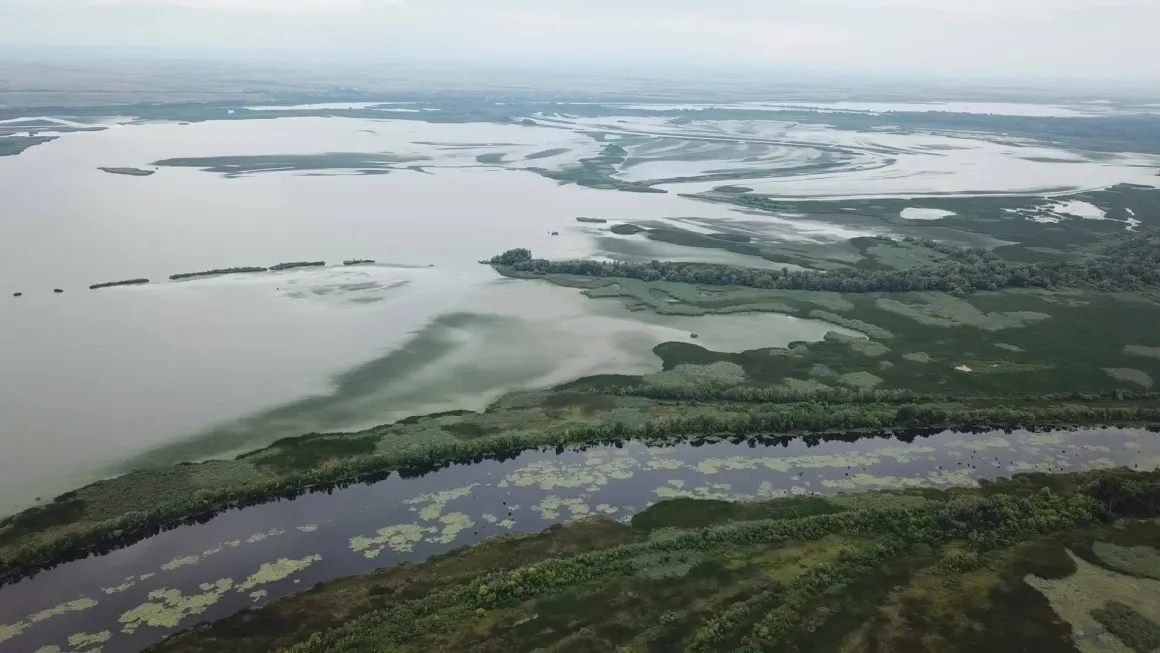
400, 538
85, 640
178, 563
9, 631
119, 588
271, 572
436, 502
453, 524
550, 507
166, 608
596, 470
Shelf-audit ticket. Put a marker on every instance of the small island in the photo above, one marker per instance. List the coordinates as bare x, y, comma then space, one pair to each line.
206, 273
592, 220
297, 264
358, 261
126, 282
626, 229
132, 172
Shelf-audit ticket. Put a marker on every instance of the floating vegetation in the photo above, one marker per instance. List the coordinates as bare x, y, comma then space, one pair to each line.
258, 595
596, 470
453, 524
1129, 375
126, 282
85, 640
489, 518
297, 264
1003, 345
119, 588
8, 631
438, 501
219, 271
550, 506
271, 572
401, 538
184, 561
918, 357
167, 607
358, 261
258, 537
308, 528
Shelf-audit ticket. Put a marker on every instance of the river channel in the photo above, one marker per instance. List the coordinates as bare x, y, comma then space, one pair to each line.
133, 597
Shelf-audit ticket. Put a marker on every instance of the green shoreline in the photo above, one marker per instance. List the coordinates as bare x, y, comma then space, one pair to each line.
477, 591
318, 461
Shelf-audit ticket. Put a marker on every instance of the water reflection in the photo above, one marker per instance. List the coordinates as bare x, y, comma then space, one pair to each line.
245, 557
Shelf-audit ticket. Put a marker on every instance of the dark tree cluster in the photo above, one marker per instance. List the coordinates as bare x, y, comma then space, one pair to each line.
1128, 264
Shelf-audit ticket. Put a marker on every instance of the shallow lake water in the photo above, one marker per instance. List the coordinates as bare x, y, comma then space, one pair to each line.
97, 380
93, 379
246, 557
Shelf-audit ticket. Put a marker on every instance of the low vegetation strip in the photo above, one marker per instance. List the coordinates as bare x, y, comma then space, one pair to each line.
835, 568
206, 273
1126, 264
70, 528
126, 282
297, 264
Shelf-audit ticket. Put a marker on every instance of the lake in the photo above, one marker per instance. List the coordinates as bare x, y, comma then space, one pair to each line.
250, 556
93, 379
96, 382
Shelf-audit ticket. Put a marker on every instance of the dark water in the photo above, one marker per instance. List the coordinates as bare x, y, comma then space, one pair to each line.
325, 536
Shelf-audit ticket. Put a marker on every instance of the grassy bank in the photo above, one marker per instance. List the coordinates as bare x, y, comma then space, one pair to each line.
117, 512
928, 571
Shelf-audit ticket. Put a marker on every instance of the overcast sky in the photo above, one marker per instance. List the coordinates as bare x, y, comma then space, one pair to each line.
1113, 39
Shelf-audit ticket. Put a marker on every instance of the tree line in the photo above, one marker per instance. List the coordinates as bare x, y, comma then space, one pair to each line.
1125, 264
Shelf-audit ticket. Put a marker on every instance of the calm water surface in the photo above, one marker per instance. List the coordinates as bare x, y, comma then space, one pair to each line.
175, 371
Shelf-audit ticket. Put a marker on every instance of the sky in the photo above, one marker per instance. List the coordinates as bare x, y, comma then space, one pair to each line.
1059, 39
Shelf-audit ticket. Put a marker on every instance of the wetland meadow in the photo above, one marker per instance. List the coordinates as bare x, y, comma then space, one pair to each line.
446, 373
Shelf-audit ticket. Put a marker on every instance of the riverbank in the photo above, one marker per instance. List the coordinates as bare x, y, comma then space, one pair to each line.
115, 513
707, 575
